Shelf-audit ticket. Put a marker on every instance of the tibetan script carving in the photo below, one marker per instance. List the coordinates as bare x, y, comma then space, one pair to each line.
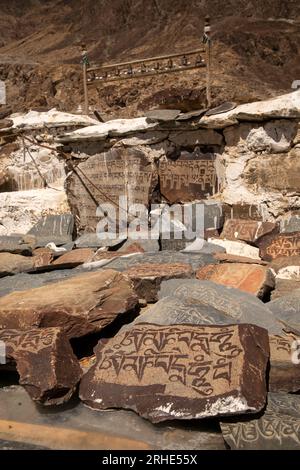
180, 371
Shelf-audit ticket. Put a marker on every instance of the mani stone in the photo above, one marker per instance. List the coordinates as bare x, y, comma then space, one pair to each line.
192, 176
277, 428
56, 229
105, 177
180, 371
284, 375
287, 311
12, 264
246, 230
240, 306
173, 310
281, 245
147, 278
80, 305
251, 278
46, 364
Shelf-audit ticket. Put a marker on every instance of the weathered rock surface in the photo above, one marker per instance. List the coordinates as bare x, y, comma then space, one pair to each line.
145, 245
246, 230
252, 278
287, 310
284, 287
20, 210
188, 139
202, 246
46, 364
290, 223
80, 305
12, 264
284, 375
75, 257
17, 244
240, 306
158, 372
56, 229
276, 429
147, 278
226, 258
51, 118
237, 248
281, 245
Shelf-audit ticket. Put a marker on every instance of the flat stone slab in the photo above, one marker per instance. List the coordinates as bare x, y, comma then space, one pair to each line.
57, 229
284, 373
162, 114
278, 428
17, 244
284, 287
252, 278
147, 278
247, 230
237, 248
240, 306
47, 366
75, 257
80, 305
180, 371
12, 264
287, 310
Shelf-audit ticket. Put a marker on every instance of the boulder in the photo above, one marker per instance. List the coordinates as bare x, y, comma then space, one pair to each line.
276, 429
252, 278
240, 306
45, 362
157, 371
80, 305
147, 278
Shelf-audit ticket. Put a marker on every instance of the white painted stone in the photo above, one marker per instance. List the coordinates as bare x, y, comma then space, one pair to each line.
52, 118
289, 272
237, 248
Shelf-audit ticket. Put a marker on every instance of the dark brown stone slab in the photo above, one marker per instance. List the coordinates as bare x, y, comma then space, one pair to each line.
247, 230
46, 364
75, 257
180, 371
284, 373
42, 257
251, 278
147, 278
278, 428
281, 245
80, 305
192, 176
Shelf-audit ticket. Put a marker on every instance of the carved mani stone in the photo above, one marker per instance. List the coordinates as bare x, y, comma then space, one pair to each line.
282, 245
147, 278
246, 230
277, 428
44, 359
180, 371
240, 306
284, 373
252, 278
79, 305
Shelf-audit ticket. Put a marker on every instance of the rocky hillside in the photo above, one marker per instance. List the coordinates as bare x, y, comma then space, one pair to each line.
256, 50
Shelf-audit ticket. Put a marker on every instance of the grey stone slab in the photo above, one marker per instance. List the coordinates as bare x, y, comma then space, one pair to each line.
278, 428
16, 244
240, 306
163, 115
287, 310
223, 108
57, 229
91, 240
291, 224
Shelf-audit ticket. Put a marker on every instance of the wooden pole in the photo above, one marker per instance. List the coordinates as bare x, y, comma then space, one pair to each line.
207, 37
85, 63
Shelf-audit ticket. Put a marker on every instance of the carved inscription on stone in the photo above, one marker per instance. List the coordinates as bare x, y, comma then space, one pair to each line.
187, 180
246, 230
180, 371
278, 428
104, 178
282, 245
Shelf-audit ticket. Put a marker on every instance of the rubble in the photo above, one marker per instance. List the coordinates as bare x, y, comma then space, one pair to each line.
175, 381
